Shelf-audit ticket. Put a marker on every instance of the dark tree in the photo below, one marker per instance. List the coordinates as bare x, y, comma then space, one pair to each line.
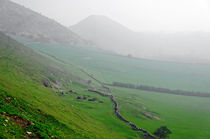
162, 132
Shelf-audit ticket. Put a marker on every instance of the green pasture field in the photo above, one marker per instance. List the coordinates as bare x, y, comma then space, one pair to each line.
109, 68
187, 117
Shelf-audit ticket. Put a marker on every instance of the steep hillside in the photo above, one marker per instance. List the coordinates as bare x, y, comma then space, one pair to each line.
18, 21
38, 96
26, 78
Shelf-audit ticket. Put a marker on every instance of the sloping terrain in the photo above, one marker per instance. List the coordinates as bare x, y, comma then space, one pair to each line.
20, 119
186, 116
106, 33
112, 36
20, 22
112, 68
37, 99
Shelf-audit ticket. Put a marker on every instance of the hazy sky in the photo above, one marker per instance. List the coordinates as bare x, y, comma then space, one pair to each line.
138, 15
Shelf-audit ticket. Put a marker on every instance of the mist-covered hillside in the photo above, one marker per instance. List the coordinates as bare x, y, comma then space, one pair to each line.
20, 22
112, 36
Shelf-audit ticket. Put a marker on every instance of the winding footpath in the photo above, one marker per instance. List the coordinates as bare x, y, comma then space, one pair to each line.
116, 109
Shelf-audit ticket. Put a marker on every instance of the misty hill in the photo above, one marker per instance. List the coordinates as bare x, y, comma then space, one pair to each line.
106, 33
18, 21
112, 36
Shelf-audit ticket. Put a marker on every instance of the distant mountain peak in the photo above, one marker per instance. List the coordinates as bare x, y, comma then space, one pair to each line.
112, 36
100, 17
97, 16
106, 33
102, 21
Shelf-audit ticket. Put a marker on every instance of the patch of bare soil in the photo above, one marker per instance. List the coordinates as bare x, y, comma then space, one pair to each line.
20, 121
24, 123
151, 116
141, 106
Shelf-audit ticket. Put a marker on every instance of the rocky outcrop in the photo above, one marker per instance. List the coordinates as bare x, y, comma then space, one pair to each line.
72, 92
92, 99
85, 97
79, 97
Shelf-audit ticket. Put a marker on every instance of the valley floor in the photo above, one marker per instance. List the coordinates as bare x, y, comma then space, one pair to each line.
89, 115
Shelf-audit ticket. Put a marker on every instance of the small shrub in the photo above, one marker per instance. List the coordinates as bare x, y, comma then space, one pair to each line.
162, 132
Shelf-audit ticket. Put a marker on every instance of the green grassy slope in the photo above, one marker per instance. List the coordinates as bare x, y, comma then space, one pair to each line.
22, 75
19, 117
109, 68
187, 117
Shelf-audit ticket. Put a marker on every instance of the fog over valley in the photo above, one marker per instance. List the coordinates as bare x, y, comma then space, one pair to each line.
110, 35
104, 69
160, 30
